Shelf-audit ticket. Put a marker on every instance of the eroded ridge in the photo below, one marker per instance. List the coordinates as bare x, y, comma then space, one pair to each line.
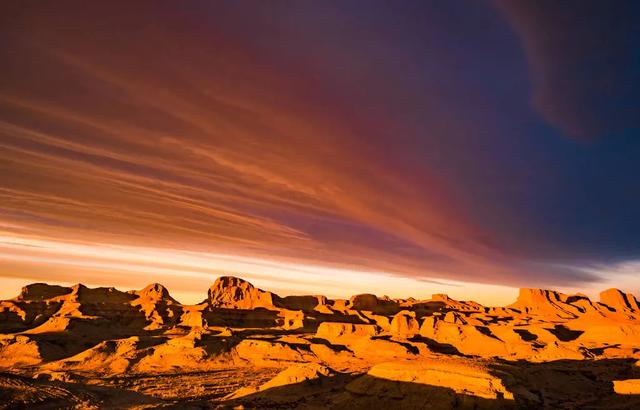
102, 347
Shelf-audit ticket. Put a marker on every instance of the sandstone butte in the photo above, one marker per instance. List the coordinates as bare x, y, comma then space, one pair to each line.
243, 347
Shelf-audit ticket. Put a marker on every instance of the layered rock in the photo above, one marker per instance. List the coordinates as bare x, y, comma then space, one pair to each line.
272, 353
32, 307
108, 357
87, 310
159, 308
306, 303
333, 331
443, 383
402, 353
405, 324
542, 302
19, 315
541, 324
449, 303
291, 377
629, 386
620, 301
458, 375
18, 350
184, 353
372, 303
467, 339
235, 293
42, 291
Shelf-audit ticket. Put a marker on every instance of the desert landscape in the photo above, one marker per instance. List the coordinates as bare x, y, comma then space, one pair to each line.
320, 204
244, 347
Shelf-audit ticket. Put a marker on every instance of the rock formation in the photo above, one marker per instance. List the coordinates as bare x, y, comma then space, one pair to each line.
404, 324
546, 303
262, 350
235, 293
620, 301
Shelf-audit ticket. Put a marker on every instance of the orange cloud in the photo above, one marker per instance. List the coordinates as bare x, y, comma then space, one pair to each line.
176, 138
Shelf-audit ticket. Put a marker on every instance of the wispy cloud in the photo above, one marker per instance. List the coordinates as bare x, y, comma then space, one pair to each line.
182, 132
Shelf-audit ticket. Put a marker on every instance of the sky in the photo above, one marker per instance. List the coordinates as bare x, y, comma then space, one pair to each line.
327, 147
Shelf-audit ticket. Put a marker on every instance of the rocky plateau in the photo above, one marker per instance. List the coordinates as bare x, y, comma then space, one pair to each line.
244, 347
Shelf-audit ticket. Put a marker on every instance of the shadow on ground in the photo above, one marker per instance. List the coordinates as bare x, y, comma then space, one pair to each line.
563, 384
575, 384
345, 391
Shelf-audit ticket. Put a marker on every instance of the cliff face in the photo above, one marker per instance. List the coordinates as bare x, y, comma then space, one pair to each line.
42, 291
545, 302
159, 308
235, 293
619, 301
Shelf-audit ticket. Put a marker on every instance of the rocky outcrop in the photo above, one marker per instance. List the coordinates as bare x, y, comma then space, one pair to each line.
459, 375
449, 303
20, 315
18, 350
108, 357
442, 383
42, 291
292, 319
467, 339
405, 324
283, 351
183, 353
542, 302
89, 310
159, 308
540, 325
234, 293
272, 353
333, 331
629, 386
292, 377
372, 303
154, 293
306, 303
620, 301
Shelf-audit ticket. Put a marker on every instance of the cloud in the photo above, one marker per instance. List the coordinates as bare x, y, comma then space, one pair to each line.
583, 58
167, 129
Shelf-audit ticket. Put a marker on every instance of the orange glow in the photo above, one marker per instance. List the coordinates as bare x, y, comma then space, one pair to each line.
183, 271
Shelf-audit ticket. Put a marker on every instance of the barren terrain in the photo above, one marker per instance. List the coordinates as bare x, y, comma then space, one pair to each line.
77, 347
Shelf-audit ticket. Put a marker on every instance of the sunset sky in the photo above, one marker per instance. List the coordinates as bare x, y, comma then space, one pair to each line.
335, 147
